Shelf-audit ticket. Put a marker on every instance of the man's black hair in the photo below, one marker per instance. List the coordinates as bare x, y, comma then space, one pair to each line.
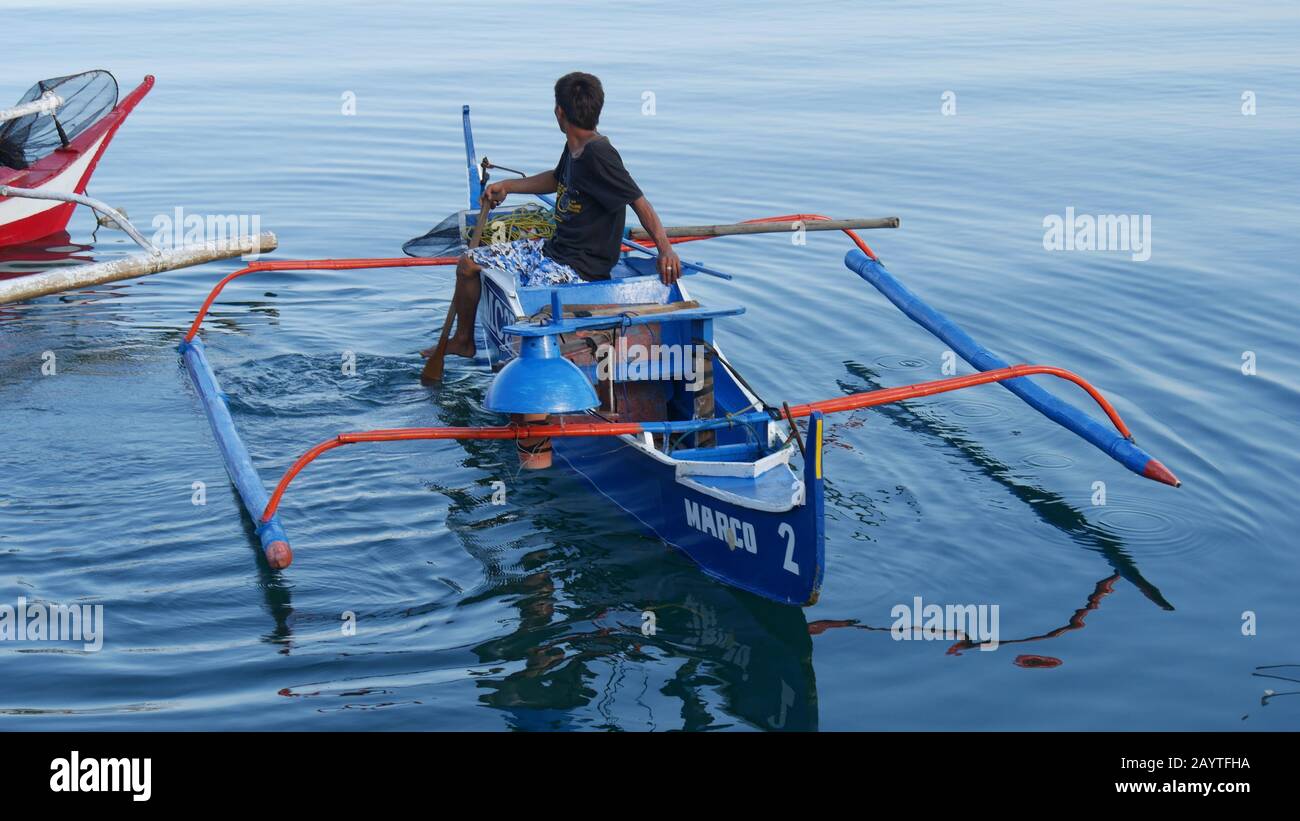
580, 96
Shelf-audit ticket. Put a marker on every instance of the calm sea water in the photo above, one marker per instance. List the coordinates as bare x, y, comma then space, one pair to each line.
474, 616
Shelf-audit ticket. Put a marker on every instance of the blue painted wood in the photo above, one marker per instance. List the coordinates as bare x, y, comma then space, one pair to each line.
619, 290
475, 190
779, 555
238, 463
1062, 413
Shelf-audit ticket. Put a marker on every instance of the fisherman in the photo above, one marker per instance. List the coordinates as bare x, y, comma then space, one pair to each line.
592, 190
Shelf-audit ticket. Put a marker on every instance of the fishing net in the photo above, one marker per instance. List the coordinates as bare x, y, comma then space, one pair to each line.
86, 98
451, 236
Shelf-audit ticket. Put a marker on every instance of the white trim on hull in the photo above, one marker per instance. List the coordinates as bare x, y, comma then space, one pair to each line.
13, 209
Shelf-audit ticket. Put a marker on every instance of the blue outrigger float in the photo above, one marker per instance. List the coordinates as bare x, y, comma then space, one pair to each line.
693, 454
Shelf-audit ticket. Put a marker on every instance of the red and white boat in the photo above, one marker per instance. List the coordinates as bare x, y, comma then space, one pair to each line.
50, 142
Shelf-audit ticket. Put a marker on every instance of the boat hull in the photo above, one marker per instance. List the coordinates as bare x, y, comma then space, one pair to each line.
778, 555
65, 171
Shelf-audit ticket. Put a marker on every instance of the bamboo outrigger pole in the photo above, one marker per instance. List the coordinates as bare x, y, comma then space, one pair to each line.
778, 226
98, 273
155, 260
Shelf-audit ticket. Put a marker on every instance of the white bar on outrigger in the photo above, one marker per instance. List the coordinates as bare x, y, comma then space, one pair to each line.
46, 104
98, 273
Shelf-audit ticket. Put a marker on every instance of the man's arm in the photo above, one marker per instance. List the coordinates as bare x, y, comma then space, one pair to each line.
670, 267
543, 183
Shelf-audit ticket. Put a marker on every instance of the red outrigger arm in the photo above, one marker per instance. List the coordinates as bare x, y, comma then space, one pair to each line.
275, 544
564, 429
239, 464
307, 265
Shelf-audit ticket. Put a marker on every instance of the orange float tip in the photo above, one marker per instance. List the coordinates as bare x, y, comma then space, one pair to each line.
1160, 473
278, 555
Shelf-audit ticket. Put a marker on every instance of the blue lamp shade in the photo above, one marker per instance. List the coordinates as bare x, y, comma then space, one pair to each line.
540, 380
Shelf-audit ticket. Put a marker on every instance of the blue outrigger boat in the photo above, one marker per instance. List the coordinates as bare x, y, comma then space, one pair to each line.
693, 454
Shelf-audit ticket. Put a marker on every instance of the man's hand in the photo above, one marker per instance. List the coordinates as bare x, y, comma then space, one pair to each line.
497, 191
670, 266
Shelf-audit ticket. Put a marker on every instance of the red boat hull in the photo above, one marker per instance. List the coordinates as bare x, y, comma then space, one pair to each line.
67, 170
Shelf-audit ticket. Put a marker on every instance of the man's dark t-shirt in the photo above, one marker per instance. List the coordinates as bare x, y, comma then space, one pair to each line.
590, 209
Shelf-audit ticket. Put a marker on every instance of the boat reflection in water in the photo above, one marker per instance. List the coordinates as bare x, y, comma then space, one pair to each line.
725, 656
611, 621
1050, 508
962, 643
55, 251
1289, 673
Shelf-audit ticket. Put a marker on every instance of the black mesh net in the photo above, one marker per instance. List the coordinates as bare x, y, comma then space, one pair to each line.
451, 236
86, 98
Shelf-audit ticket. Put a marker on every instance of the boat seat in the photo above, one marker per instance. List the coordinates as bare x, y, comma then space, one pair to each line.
583, 311
643, 289
575, 324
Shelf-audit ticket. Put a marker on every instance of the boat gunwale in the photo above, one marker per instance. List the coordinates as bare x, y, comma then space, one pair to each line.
44, 170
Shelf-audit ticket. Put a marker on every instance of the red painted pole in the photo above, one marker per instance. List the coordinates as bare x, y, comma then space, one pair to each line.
309, 265
564, 429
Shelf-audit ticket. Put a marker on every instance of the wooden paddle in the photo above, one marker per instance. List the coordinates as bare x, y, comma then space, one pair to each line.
432, 373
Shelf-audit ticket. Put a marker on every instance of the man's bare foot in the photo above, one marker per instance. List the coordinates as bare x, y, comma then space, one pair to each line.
461, 347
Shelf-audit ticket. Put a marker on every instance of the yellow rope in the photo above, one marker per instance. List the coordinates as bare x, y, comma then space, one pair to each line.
525, 222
